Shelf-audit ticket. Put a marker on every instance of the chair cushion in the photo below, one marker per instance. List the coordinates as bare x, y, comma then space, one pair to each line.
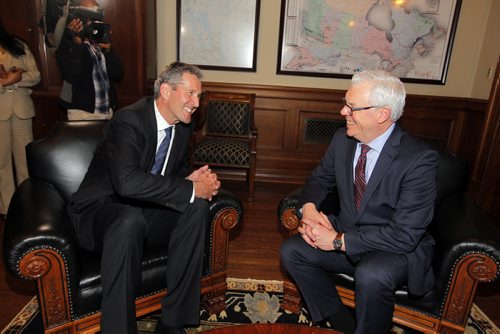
222, 151
154, 269
88, 293
427, 303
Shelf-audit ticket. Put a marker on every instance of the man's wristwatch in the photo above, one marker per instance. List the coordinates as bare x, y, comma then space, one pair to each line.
337, 242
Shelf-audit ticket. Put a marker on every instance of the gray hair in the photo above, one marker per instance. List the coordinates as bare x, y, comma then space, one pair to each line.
172, 74
386, 90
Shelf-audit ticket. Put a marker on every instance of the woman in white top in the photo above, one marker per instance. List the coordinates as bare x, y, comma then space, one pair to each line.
18, 72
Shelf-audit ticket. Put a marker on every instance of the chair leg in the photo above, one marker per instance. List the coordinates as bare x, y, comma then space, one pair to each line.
216, 300
251, 183
291, 298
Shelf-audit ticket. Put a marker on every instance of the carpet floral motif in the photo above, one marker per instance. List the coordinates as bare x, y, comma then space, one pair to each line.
262, 308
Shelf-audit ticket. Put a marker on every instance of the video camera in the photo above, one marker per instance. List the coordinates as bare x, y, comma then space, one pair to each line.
93, 28
98, 32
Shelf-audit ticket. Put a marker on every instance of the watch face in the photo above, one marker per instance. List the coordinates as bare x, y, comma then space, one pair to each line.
337, 244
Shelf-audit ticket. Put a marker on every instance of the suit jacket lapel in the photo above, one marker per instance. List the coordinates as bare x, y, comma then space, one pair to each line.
175, 148
349, 176
385, 159
151, 133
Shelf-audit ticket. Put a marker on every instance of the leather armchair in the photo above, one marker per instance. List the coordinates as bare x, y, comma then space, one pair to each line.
40, 242
467, 252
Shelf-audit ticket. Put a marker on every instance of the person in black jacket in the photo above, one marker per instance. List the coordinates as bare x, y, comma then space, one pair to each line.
89, 64
140, 191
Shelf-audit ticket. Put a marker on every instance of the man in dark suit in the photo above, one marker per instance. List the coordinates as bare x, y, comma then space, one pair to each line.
386, 182
133, 196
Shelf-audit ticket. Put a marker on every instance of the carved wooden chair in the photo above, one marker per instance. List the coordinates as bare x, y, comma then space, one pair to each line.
228, 137
40, 242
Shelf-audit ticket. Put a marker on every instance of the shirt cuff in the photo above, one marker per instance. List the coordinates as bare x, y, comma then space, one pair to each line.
192, 196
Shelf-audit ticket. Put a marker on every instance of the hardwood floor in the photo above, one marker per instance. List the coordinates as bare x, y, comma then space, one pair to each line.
253, 252
14, 292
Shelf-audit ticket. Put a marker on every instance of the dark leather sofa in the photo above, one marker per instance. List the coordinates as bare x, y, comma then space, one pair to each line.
40, 242
467, 252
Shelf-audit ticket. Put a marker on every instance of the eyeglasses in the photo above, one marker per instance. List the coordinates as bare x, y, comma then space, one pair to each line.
350, 109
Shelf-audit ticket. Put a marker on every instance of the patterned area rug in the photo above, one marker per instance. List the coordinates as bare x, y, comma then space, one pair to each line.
248, 301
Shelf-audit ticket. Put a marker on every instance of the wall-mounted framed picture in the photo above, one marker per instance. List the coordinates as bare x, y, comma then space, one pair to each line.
218, 34
411, 39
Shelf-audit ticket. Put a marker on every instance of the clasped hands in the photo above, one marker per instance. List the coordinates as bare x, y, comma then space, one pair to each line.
206, 184
315, 228
12, 76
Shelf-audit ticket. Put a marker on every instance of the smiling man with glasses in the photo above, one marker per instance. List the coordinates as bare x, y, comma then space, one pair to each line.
386, 182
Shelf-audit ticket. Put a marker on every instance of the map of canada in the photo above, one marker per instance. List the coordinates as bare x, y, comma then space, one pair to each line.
218, 32
407, 38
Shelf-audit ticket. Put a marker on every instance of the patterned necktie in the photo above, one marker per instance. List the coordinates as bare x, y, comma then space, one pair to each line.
162, 152
359, 179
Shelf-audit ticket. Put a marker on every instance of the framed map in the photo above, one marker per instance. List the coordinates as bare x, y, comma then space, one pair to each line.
335, 38
218, 34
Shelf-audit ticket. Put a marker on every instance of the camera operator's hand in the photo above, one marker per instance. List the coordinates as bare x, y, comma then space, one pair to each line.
75, 26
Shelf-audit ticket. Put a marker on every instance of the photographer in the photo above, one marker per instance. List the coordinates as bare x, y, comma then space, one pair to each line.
87, 61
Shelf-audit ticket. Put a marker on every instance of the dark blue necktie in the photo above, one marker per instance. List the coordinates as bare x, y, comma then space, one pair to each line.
162, 152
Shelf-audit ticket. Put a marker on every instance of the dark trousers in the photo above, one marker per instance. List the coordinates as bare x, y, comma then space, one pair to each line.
122, 232
376, 276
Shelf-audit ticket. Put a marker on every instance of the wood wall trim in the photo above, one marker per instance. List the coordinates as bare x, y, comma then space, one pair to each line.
485, 181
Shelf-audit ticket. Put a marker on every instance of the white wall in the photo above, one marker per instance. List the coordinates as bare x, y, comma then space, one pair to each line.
476, 48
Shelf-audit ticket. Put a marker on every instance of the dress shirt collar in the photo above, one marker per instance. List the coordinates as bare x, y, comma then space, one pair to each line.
378, 143
161, 123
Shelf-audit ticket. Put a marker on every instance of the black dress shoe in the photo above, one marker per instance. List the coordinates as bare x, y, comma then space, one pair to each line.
161, 328
343, 320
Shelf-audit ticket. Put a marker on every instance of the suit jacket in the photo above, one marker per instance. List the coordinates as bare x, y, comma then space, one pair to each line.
16, 99
120, 169
396, 207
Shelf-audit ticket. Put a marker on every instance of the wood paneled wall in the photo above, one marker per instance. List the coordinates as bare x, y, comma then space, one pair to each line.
285, 154
285, 150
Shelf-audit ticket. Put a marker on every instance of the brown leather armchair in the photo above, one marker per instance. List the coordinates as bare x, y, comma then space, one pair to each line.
228, 137
40, 242
467, 253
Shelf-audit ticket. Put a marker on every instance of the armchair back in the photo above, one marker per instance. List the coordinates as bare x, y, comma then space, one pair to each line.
62, 158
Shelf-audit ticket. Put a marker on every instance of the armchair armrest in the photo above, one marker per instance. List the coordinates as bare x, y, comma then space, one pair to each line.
467, 252
40, 244
287, 211
226, 211
37, 219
